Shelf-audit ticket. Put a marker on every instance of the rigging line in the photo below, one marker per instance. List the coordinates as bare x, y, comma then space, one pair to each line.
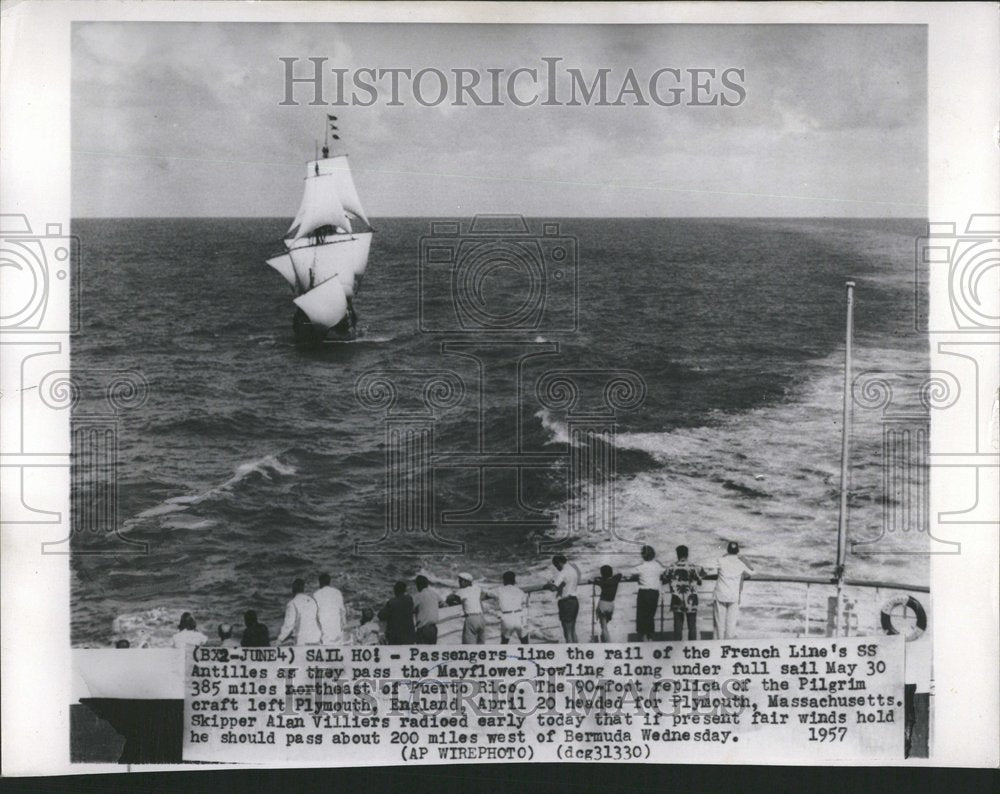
528, 180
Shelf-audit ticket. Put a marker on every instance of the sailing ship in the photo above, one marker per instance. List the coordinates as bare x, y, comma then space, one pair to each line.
326, 250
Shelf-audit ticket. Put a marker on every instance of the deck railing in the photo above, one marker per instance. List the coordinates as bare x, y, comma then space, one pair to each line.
771, 605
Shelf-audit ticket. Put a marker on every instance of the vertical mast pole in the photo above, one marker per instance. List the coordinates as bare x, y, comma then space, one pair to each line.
845, 460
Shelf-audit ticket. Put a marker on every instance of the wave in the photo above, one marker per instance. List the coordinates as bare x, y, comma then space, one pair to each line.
161, 509
369, 340
745, 490
263, 467
188, 522
558, 431
767, 477
148, 628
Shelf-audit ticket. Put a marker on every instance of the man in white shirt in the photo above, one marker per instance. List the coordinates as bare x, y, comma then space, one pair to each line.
426, 603
728, 588
330, 611
471, 599
188, 633
301, 620
650, 572
510, 597
564, 582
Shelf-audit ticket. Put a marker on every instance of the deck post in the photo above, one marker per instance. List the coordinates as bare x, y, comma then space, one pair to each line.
844, 460
808, 610
593, 614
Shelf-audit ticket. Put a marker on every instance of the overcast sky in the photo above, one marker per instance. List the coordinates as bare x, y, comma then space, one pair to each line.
184, 120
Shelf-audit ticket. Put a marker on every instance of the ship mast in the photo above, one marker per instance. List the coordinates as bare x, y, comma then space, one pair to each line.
844, 463
328, 129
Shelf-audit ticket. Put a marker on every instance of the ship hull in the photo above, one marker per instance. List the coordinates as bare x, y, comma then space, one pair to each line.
309, 336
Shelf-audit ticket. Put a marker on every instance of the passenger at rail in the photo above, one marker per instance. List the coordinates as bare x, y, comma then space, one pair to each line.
255, 634
368, 631
510, 597
651, 573
301, 618
188, 633
471, 598
332, 612
426, 604
728, 589
226, 638
398, 617
565, 582
684, 578
608, 581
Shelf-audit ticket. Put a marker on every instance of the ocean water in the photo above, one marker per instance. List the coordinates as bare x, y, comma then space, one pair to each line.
251, 462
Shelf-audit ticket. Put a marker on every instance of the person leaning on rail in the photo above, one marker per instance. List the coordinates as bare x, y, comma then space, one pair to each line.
608, 582
564, 582
510, 598
728, 589
397, 614
426, 604
368, 631
301, 618
332, 613
226, 638
470, 596
187, 633
684, 578
651, 574
255, 633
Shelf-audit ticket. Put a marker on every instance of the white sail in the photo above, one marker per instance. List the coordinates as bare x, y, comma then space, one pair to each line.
320, 207
340, 170
325, 305
343, 256
360, 258
283, 264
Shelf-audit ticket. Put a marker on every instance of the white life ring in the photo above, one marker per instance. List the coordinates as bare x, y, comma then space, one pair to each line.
910, 603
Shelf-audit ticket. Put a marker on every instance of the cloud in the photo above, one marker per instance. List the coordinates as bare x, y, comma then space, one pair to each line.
836, 108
